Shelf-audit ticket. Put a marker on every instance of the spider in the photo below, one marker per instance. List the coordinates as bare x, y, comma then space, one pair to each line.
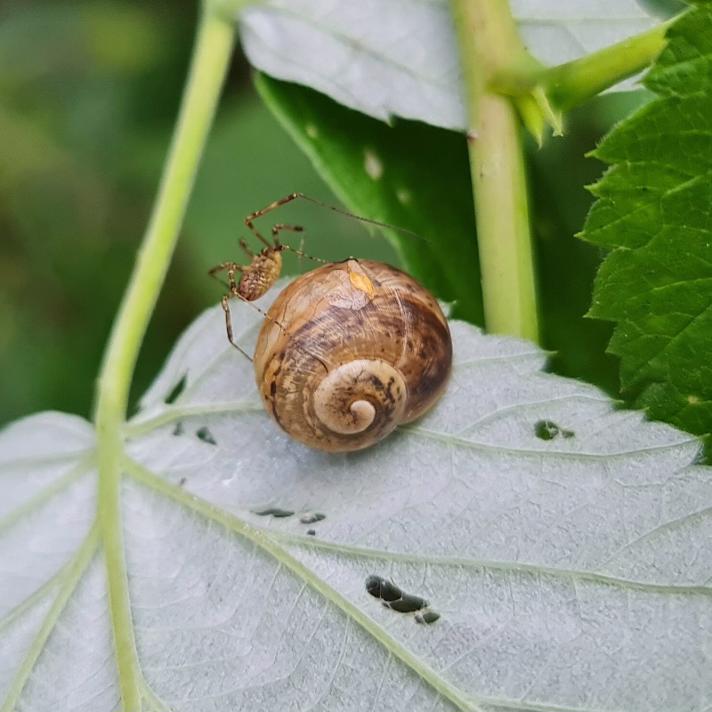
265, 266
257, 277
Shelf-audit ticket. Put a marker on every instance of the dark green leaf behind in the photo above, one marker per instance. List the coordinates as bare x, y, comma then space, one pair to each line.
412, 176
654, 212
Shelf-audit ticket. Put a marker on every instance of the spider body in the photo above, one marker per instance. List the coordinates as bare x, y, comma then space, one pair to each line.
258, 276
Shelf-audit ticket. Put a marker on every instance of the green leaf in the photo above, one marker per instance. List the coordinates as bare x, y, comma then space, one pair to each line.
653, 211
412, 176
561, 541
566, 268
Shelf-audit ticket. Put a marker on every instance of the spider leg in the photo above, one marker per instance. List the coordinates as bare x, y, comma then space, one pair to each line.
231, 268
246, 249
249, 220
225, 302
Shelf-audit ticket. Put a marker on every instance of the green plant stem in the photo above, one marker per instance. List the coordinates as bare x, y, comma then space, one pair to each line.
570, 84
503, 230
490, 46
211, 55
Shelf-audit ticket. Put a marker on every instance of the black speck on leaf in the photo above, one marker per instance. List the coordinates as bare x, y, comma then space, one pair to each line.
426, 617
275, 512
392, 596
381, 588
407, 603
205, 435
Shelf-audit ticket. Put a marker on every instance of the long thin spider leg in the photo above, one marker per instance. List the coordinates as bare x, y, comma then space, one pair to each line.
228, 327
228, 317
246, 248
261, 311
279, 227
230, 268
249, 220
294, 196
224, 267
301, 253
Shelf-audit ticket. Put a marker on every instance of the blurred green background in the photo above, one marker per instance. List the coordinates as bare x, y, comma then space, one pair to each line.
88, 95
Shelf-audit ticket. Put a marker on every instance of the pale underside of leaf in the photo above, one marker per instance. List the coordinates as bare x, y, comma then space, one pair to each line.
570, 573
399, 58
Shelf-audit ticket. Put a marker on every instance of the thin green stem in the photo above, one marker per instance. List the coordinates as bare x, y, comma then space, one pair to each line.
211, 55
503, 231
570, 84
212, 52
489, 47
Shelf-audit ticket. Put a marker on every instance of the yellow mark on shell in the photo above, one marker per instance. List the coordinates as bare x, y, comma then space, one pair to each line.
404, 196
361, 282
694, 400
372, 164
311, 131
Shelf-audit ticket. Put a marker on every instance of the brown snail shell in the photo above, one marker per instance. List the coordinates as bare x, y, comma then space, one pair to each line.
348, 352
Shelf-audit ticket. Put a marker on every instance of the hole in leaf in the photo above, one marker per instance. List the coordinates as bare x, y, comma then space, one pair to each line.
175, 391
205, 435
548, 430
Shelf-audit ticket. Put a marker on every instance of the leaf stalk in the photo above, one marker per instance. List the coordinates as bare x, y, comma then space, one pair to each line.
211, 55
570, 84
490, 46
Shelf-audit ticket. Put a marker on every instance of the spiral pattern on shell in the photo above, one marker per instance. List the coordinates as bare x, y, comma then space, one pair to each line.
348, 352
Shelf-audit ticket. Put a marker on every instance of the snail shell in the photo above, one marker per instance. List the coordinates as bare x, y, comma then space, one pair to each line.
348, 352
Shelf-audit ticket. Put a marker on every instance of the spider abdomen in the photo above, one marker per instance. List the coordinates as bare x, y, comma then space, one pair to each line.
260, 274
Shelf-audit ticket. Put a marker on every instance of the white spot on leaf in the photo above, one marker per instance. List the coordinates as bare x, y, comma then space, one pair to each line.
404, 196
372, 164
